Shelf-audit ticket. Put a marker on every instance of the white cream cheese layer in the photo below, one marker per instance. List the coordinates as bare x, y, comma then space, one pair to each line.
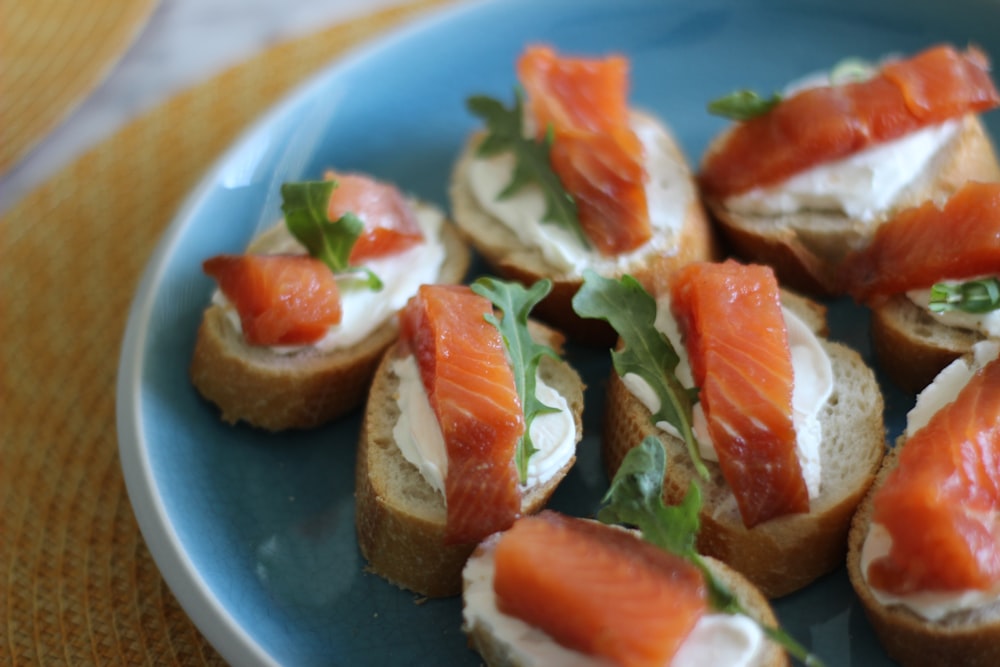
933, 605
813, 384
947, 385
861, 185
987, 324
717, 639
419, 438
669, 193
364, 310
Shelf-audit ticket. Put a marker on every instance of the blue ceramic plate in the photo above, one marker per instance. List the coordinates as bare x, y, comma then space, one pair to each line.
255, 532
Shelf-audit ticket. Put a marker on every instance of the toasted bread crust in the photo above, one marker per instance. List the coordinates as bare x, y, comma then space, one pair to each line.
787, 553
400, 519
510, 258
497, 653
806, 248
910, 346
301, 390
964, 638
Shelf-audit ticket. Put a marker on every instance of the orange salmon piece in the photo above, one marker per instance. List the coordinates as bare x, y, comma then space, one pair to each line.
464, 369
941, 504
597, 156
390, 224
281, 299
926, 244
820, 125
734, 332
598, 590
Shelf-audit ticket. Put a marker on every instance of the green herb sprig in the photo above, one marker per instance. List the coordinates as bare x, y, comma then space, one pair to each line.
505, 133
515, 303
974, 296
630, 309
743, 105
305, 204
635, 498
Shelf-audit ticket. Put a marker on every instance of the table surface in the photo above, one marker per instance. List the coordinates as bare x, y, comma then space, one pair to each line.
184, 43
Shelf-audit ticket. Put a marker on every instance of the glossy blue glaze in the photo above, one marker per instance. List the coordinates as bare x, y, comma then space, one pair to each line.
254, 532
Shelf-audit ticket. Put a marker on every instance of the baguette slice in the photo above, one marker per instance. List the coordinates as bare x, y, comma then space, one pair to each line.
911, 346
400, 518
970, 638
806, 248
496, 651
510, 258
300, 390
784, 554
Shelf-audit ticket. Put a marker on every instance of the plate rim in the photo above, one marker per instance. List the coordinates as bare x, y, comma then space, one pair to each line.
186, 582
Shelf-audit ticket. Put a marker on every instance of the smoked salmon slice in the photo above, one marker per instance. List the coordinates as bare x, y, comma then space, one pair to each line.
598, 590
735, 335
390, 224
928, 244
941, 504
595, 153
281, 299
471, 388
820, 125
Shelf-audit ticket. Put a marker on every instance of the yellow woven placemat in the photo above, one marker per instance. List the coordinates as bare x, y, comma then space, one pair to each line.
77, 584
52, 53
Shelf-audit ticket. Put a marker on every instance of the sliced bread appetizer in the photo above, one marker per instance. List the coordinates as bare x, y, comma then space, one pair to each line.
781, 428
572, 178
298, 324
471, 422
930, 276
555, 590
803, 178
924, 553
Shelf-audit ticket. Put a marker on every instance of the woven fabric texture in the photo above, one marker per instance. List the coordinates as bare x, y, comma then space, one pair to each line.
77, 583
53, 53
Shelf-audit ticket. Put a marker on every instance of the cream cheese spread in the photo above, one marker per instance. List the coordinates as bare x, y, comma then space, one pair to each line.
419, 438
813, 384
669, 193
947, 385
987, 324
862, 185
717, 639
933, 605
364, 310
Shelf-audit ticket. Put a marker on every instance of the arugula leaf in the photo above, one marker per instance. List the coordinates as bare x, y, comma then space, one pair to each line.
743, 105
515, 303
305, 207
635, 498
630, 309
851, 70
973, 296
505, 132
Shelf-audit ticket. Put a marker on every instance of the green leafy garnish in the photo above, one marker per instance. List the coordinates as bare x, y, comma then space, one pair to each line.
515, 303
305, 207
505, 133
974, 296
743, 105
630, 309
850, 70
636, 499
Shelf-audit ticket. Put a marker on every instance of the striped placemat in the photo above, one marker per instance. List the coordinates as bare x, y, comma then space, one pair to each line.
52, 53
77, 583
